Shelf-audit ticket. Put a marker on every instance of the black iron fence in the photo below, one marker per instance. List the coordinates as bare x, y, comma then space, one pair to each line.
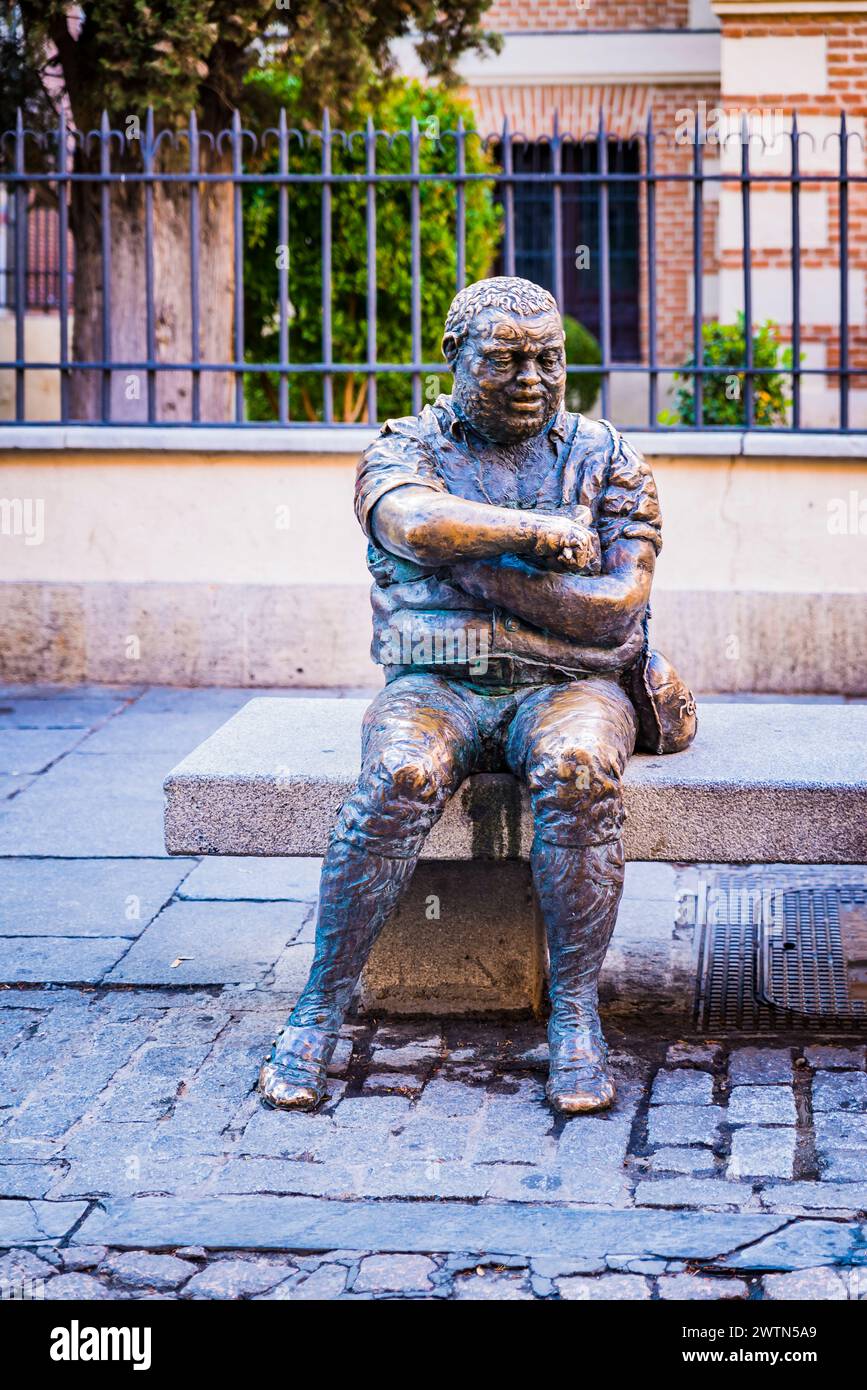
297, 277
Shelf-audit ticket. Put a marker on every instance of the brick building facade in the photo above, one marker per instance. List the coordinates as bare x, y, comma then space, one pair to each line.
812, 59
671, 61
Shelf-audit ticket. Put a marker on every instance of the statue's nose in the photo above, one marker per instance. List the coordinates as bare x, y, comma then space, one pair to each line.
528, 374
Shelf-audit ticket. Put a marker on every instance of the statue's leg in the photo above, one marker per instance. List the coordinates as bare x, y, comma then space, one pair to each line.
418, 744
571, 743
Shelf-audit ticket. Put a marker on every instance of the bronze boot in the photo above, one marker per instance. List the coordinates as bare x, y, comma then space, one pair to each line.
358, 892
293, 1075
579, 892
578, 1076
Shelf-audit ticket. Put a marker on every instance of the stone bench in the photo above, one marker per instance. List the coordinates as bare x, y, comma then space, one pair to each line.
763, 783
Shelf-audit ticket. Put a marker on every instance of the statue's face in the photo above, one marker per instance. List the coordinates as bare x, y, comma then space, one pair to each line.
510, 374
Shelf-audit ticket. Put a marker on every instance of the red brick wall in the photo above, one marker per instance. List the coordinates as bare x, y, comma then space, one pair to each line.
846, 36
510, 15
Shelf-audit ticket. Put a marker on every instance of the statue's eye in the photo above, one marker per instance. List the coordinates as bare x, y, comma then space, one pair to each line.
549, 360
501, 360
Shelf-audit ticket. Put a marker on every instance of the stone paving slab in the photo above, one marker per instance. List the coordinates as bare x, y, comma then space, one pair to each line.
34, 1223
10, 786
257, 880
85, 897
88, 806
62, 707
24, 751
211, 943
63, 960
287, 1223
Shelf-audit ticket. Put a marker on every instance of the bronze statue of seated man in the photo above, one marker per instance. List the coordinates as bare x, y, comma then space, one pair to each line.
512, 548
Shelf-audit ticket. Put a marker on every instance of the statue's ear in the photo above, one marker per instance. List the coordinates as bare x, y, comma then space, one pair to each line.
450, 348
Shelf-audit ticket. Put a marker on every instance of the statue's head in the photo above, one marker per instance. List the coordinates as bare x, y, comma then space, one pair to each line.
504, 342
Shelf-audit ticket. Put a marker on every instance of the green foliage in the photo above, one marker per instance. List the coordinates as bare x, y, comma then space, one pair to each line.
581, 349
174, 55
724, 346
437, 112
20, 82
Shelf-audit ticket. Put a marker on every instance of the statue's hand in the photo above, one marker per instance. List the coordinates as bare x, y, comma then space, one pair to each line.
564, 542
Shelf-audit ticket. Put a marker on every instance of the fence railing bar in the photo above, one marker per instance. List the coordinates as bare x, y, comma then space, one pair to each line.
650, 194
698, 268
844, 273
150, 327
195, 239
500, 177
461, 207
105, 252
747, 273
796, 274
20, 267
63, 259
370, 214
415, 264
508, 195
591, 369
557, 213
327, 340
238, 253
604, 267
283, 270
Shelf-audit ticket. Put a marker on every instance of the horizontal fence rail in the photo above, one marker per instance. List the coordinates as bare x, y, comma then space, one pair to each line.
302, 276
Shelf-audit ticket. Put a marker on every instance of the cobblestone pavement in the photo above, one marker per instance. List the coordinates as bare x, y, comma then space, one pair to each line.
136, 1162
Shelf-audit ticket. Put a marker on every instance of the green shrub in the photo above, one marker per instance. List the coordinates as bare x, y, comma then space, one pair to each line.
582, 349
391, 111
724, 346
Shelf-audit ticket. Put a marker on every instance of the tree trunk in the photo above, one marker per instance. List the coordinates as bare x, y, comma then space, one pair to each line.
172, 282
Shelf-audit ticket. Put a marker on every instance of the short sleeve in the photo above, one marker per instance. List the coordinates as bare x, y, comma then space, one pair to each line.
397, 457
629, 507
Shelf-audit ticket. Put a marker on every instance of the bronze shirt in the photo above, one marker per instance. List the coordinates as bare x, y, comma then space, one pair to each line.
424, 620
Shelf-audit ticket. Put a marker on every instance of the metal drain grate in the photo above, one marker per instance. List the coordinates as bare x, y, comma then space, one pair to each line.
814, 959
781, 958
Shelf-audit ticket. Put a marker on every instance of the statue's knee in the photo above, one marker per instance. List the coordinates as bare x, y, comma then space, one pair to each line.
575, 793
399, 794
409, 774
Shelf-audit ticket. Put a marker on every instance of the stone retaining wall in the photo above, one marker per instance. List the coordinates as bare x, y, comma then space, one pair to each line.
132, 556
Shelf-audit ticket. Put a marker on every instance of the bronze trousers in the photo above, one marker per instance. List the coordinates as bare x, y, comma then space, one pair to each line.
421, 737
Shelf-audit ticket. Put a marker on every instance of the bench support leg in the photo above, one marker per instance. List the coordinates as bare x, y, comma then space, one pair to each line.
467, 938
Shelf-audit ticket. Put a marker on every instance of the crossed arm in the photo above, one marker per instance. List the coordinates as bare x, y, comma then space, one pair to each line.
489, 549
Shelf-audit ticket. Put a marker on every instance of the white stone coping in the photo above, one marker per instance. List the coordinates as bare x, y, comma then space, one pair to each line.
352, 439
534, 58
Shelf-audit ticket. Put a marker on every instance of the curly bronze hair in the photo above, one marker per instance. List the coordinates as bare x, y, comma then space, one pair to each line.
506, 292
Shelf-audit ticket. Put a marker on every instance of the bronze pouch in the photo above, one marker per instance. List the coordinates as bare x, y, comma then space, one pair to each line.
665, 705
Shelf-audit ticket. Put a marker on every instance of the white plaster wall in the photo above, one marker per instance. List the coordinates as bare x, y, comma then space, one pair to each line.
771, 220
746, 523
772, 295
778, 64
